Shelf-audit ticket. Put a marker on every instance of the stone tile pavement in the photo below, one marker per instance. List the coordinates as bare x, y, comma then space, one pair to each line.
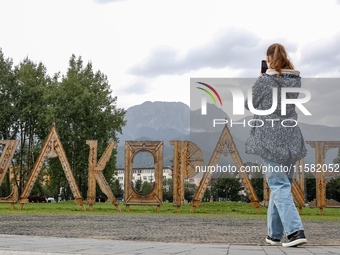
27, 245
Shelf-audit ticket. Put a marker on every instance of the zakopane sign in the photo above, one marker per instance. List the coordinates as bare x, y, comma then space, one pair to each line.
187, 157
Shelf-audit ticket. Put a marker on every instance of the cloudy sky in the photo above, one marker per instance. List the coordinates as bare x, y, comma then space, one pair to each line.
149, 49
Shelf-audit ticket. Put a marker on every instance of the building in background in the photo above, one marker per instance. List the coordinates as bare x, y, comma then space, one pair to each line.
148, 174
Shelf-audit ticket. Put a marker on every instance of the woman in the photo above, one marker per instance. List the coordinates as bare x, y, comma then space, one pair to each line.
279, 144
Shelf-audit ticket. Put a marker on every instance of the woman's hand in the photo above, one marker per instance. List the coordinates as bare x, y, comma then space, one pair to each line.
261, 74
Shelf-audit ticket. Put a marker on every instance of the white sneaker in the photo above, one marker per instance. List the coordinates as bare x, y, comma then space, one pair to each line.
295, 239
272, 241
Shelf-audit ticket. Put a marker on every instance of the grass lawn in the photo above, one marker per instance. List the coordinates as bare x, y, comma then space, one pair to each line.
209, 209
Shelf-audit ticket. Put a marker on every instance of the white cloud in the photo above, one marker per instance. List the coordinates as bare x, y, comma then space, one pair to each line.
116, 37
237, 49
228, 47
322, 57
138, 88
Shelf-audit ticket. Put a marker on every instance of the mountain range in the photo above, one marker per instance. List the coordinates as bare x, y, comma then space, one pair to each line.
167, 121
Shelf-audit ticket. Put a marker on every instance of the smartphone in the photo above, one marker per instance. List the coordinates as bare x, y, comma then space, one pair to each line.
264, 66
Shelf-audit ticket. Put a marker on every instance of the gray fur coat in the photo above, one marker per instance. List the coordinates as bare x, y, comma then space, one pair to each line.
273, 141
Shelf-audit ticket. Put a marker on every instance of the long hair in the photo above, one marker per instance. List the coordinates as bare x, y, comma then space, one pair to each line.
279, 58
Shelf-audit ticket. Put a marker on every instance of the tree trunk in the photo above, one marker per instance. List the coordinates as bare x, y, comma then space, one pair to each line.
8, 183
58, 189
29, 156
79, 185
22, 145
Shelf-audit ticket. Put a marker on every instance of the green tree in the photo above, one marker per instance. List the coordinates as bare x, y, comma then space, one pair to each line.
138, 185
84, 109
146, 187
8, 116
333, 189
333, 185
310, 186
226, 187
168, 190
189, 191
257, 182
31, 83
207, 194
116, 188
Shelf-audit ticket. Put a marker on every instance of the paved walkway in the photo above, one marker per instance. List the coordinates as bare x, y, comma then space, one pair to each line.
27, 245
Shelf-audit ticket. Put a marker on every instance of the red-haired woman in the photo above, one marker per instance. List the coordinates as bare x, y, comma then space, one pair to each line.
280, 146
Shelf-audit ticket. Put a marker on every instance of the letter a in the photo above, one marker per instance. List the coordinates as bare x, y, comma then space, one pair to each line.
52, 148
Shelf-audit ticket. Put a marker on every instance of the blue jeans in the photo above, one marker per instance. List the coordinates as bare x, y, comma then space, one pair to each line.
282, 214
